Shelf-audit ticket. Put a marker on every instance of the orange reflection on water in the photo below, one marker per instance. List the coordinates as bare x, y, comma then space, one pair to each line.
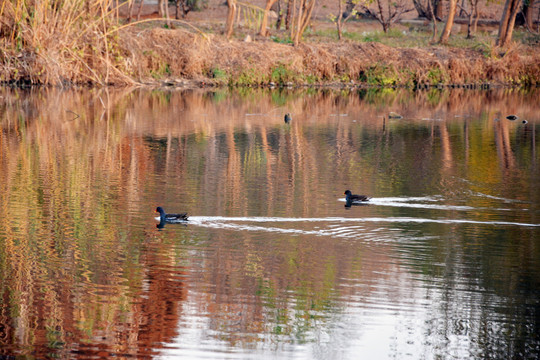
85, 273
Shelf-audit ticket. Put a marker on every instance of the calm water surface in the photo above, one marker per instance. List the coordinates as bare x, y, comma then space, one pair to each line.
443, 264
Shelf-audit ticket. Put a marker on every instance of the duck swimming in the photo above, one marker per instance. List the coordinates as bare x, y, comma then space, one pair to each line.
164, 217
351, 198
287, 118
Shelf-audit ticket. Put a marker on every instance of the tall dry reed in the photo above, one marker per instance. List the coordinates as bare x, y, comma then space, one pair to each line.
60, 41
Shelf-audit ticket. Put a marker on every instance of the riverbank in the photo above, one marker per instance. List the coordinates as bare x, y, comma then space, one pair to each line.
148, 54
164, 55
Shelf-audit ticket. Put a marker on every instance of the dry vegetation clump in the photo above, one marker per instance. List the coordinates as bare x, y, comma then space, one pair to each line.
164, 53
256, 62
160, 53
321, 63
514, 68
50, 42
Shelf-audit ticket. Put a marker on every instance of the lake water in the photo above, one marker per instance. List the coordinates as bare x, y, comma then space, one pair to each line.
444, 262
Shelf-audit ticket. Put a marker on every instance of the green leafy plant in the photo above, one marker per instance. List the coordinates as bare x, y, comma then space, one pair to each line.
281, 75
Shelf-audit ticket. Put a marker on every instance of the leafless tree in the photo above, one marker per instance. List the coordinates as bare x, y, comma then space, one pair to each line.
301, 16
506, 26
425, 8
386, 12
528, 10
231, 15
472, 15
433, 20
184, 6
264, 22
445, 35
284, 15
343, 16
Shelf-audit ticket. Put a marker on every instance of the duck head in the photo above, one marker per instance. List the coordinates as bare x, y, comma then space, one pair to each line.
162, 214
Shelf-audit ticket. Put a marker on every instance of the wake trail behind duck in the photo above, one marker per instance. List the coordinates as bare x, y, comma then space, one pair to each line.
427, 202
354, 226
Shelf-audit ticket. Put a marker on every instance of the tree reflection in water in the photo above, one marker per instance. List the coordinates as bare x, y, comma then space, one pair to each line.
444, 263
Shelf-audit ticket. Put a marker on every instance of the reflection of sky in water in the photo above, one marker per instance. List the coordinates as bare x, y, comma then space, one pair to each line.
392, 312
443, 261
397, 318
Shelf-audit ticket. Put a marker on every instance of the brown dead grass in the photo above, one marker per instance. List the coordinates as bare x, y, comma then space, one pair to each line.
153, 55
161, 54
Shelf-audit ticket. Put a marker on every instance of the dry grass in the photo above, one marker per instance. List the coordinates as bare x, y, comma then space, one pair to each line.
191, 56
79, 41
55, 42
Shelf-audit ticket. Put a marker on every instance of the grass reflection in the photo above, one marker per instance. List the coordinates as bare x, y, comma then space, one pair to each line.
83, 269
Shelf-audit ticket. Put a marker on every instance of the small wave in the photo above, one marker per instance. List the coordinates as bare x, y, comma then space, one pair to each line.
393, 202
246, 227
401, 200
418, 202
414, 198
479, 194
229, 222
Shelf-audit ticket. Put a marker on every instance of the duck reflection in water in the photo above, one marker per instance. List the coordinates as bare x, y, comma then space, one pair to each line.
353, 199
170, 218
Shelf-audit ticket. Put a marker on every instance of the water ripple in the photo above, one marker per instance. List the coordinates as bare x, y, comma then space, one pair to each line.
417, 202
341, 231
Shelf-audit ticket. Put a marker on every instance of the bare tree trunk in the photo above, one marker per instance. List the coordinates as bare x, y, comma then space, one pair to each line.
503, 24
424, 11
508, 19
264, 22
476, 16
140, 9
293, 24
307, 16
420, 10
469, 25
301, 19
338, 21
434, 19
439, 9
289, 14
449, 22
381, 12
472, 16
231, 14
130, 10
296, 31
164, 11
279, 16
462, 10
161, 10
529, 15
511, 23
